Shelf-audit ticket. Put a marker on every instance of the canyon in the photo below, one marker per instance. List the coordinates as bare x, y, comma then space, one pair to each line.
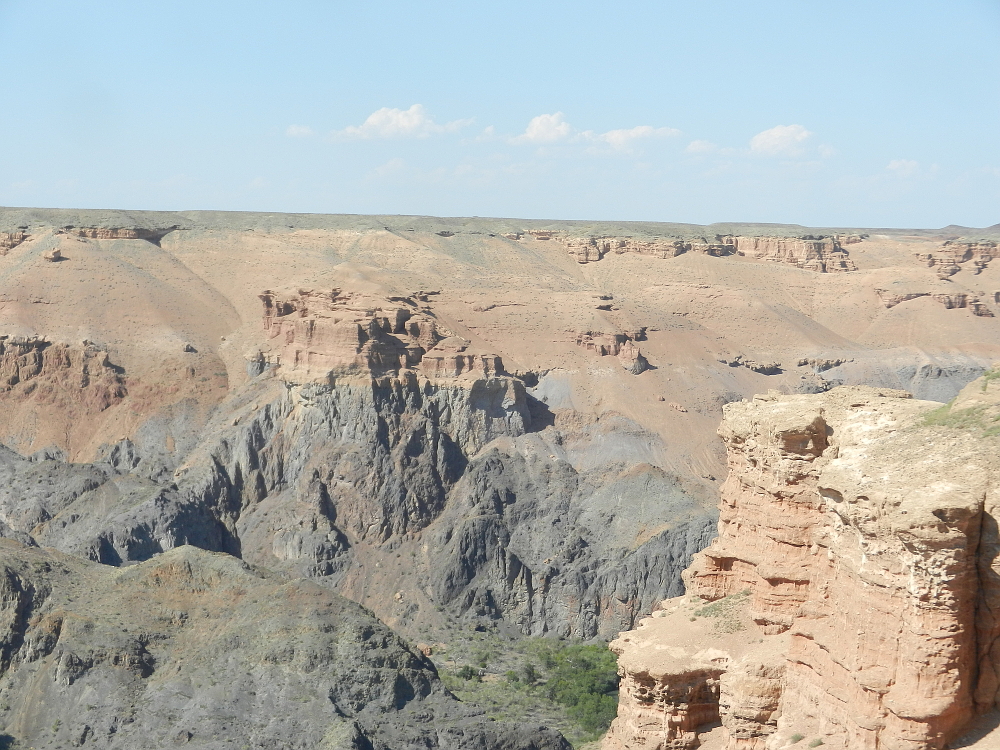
458, 424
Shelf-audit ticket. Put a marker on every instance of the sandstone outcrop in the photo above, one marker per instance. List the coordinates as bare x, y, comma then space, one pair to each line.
820, 254
620, 345
590, 249
950, 257
119, 233
741, 360
10, 240
323, 335
201, 650
951, 301
59, 373
851, 594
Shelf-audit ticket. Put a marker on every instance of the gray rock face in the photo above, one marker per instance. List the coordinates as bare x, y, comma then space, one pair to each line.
201, 650
319, 480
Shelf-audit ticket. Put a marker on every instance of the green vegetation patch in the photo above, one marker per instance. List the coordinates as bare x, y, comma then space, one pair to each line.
568, 685
585, 680
989, 376
726, 612
974, 419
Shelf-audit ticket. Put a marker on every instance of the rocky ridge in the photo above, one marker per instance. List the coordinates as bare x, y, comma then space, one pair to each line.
200, 650
820, 254
851, 594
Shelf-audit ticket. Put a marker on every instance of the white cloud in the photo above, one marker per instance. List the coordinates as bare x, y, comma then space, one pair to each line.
298, 131
781, 140
391, 167
545, 129
621, 139
399, 123
701, 147
903, 167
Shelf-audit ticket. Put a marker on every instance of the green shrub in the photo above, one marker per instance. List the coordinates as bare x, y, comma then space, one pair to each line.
468, 673
816, 742
797, 737
585, 680
989, 376
529, 674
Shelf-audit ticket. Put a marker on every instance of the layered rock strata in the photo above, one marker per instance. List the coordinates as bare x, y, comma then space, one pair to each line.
10, 240
200, 650
851, 594
322, 335
820, 254
951, 301
620, 345
950, 257
590, 249
46, 371
119, 233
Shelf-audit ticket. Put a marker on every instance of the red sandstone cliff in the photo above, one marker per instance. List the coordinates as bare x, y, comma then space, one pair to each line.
852, 593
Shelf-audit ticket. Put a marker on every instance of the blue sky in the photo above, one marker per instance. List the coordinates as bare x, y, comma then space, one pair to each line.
882, 113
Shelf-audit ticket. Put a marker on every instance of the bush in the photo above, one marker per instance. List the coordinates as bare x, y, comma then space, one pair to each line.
529, 674
585, 680
468, 673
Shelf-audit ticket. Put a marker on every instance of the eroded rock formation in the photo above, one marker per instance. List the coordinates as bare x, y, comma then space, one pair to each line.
59, 373
620, 345
851, 595
10, 240
201, 650
119, 233
950, 257
952, 301
820, 254
323, 335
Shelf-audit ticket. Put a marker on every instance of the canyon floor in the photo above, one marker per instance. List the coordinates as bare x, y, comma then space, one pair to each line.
466, 426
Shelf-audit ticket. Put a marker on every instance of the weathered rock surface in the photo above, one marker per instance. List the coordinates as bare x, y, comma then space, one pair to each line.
953, 301
10, 240
950, 257
820, 254
853, 582
201, 650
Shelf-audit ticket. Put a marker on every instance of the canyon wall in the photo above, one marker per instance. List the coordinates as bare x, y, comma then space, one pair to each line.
851, 595
819, 254
380, 454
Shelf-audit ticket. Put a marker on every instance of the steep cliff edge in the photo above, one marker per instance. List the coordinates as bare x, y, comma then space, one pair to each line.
852, 593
